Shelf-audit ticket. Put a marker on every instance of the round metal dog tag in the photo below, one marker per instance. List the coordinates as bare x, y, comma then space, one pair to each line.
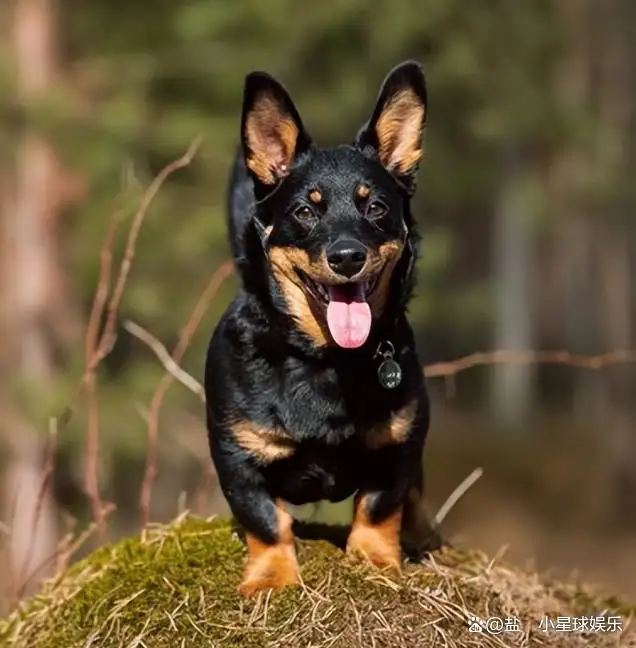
389, 373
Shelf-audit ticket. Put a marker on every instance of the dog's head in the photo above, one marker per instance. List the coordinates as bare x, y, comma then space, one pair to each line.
336, 223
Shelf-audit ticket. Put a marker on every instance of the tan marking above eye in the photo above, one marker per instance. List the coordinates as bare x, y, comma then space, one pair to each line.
363, 191
315, 196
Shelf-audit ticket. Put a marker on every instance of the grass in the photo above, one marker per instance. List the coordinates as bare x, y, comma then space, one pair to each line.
175, 585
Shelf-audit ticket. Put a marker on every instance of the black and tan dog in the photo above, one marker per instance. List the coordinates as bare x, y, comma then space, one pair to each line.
314, 388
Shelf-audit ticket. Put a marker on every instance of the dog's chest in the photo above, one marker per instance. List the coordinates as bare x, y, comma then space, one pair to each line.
336, 427
322, 404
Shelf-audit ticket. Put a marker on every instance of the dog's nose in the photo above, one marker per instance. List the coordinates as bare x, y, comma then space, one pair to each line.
346, 257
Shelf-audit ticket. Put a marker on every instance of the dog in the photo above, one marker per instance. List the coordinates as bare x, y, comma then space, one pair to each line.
314, 388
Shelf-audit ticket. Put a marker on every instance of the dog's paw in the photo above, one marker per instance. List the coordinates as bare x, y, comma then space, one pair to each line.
373, 545
274, 568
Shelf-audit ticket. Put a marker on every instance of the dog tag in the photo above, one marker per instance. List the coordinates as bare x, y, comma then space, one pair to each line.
389, 373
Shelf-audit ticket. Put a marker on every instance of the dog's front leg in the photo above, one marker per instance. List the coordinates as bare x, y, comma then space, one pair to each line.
375, 533
271, 554
239, 452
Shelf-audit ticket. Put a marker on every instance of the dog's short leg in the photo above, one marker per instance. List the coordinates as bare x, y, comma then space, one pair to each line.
271, 556
375, 533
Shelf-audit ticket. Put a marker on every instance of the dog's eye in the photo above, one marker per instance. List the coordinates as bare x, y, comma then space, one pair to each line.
305, 215
375, 209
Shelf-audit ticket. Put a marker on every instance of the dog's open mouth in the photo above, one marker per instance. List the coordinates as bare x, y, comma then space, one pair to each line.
348, 313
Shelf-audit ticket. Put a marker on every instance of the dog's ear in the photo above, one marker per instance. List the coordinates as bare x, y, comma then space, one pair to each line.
272, 132
393, 135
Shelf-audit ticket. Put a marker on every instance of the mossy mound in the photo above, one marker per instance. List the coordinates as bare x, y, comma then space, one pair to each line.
176, 586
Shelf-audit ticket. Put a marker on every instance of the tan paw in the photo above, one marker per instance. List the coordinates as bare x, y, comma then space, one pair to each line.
373, 545
274, 567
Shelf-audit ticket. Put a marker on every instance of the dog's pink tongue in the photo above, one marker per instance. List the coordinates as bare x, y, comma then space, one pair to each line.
348, 317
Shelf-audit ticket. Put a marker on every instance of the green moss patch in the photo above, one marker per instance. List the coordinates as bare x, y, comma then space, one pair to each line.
176, 586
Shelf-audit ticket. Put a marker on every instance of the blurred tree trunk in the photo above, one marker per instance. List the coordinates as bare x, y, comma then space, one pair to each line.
512, 384
618, 110
34, 292
577, 85
599, 74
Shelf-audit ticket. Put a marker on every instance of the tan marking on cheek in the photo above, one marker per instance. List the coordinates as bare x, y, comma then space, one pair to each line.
363, 191
378, 543
289, 258
399, 131
395, 430
387, 258
266, 444
299, 304
315, 196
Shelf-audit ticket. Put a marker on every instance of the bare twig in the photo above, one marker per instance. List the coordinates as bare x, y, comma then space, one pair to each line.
108, 336
47, 474
216, 281
165, 358
91, 452
595, 362
436, 370
107, 339
102, 291
98, 347
456, 495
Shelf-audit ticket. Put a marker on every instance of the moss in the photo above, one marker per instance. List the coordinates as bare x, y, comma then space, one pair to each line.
176, 586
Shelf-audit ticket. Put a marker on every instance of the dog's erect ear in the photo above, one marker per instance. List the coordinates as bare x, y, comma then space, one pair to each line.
393, 135
272, 132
